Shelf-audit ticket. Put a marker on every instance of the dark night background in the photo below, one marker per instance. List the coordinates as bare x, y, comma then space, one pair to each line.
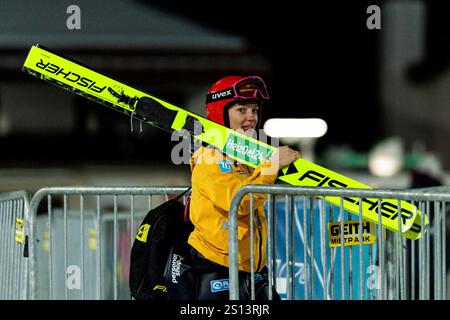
322, 61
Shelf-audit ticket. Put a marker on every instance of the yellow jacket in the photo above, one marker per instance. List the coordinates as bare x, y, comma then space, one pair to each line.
215, 180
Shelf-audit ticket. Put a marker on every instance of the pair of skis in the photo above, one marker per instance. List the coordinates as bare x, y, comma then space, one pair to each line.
82, 80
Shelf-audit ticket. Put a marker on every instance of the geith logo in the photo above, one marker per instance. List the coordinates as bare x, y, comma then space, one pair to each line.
70, 76
351, 233
388, 209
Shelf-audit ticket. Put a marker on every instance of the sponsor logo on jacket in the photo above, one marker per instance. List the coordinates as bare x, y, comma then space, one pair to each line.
220, 285
225, 166
176, 267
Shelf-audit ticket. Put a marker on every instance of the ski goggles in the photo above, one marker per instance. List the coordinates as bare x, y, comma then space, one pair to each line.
252, 87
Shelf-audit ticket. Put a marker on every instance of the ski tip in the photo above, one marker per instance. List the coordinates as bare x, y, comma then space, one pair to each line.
420, 227
40, 46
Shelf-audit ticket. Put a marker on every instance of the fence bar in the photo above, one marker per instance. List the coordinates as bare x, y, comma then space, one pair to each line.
82, 246
350, 268
292, 246
99, 249
332, 259
132, 235
9, 244
252, 249
422, 265
50, 245
115, 249
270, 233
286, 248
66, 253
323, 246
305, 250
413, 270
274, 255
444, 249
437, 280
311, 232
341, 220
427, 252
360, 225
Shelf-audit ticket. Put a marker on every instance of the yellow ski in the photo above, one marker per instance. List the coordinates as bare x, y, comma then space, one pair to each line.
73, 76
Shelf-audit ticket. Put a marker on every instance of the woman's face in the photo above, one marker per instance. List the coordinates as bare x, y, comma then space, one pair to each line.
243, 116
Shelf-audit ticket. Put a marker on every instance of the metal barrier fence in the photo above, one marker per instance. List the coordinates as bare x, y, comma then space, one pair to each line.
13, 245
304, 265
76, 245
81, 238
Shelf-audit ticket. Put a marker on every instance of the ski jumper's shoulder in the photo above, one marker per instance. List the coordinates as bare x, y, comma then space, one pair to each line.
206, 156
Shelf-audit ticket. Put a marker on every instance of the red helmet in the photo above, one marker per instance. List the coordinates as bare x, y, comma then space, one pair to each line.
231, 89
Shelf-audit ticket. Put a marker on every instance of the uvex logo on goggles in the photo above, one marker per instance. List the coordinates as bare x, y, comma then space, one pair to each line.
224, 94
69, 75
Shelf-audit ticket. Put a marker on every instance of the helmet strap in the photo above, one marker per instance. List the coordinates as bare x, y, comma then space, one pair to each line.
226, 115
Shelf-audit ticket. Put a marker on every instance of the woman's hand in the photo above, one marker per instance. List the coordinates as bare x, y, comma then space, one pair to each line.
284, 156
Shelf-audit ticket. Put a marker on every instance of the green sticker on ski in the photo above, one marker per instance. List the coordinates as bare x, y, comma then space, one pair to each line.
244, 148
77, 78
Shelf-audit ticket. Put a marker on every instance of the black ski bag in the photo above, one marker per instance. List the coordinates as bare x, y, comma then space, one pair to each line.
162, 227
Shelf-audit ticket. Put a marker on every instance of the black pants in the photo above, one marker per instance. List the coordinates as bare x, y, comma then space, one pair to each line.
189, 276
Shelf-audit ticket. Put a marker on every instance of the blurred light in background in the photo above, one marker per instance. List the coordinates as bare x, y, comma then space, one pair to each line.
295, 128
301, 132
386, 158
